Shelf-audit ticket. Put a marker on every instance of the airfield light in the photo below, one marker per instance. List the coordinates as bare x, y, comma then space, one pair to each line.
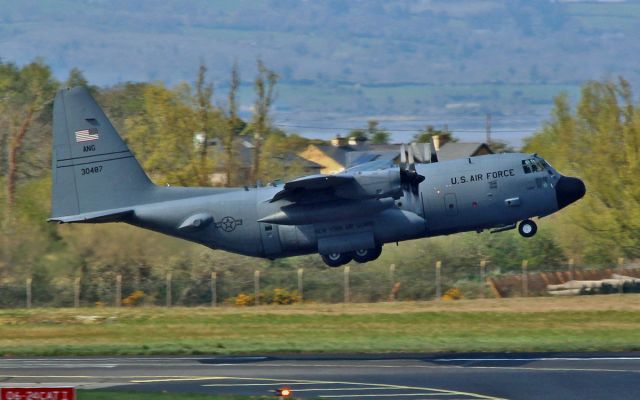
284, 392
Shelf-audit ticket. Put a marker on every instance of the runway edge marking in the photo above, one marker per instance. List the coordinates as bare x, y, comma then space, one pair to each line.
293, 381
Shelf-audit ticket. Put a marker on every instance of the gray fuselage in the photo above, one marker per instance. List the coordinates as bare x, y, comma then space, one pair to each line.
469, 194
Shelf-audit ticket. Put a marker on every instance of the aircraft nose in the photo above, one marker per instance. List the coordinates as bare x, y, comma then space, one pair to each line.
568, 190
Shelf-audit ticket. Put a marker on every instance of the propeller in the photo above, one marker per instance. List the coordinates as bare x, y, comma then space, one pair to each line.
409, 178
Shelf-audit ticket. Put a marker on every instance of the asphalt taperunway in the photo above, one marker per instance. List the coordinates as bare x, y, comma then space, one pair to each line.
388, 376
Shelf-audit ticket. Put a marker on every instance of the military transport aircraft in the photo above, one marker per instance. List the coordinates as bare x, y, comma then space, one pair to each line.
346, 216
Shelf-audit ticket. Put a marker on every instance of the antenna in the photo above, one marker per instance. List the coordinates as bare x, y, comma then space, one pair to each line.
487, 126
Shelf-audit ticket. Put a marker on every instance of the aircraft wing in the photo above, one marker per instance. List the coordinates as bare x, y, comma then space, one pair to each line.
357, 183
312, 183
370, 166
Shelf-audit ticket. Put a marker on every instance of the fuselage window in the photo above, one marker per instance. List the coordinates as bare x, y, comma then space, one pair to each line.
539, 182
533, 165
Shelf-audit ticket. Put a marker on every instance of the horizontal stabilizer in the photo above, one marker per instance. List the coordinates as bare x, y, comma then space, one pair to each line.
117, 215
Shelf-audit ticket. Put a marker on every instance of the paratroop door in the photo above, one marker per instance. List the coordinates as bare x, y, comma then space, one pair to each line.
451, 204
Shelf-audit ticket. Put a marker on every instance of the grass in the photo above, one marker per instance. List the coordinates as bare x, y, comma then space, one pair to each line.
594, 323
122, 395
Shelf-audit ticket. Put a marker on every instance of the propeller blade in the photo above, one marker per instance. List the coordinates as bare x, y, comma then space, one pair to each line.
403, 155
409, 178
434, 152
412, 162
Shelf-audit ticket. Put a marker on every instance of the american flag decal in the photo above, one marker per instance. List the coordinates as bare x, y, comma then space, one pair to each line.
87, 135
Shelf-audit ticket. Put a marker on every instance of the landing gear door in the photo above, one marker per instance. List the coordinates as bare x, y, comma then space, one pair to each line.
270, 239
450, 204
346, 243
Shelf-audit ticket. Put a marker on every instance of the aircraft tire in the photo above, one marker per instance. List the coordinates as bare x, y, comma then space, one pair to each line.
336, 259
366, 255
527, 228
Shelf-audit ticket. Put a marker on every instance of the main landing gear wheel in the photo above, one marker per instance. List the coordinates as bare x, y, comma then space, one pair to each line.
366, 255
336, 259
527, 228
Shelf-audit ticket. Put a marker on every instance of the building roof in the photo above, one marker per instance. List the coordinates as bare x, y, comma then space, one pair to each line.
347, 155
453, 150
337, 153
289, 158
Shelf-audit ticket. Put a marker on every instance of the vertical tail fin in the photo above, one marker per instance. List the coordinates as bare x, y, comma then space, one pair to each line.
93, 169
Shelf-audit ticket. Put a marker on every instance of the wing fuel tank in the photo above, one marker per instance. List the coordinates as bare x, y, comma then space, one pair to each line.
300, 214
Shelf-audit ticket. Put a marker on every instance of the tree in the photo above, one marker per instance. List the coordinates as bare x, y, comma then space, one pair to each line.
234, 124
600, 143
122, 101
377, 135
358, 133
27, 92
162, 136
25, 115
372, 133
204, 93
278, 158
264, 85
76, 78
429, 132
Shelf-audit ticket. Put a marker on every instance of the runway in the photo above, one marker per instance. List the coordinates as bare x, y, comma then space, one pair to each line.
387, 376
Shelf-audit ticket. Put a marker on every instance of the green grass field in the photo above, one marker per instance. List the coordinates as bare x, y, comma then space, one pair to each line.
587, 323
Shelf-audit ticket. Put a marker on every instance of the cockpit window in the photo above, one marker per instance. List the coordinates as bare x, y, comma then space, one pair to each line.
533, 165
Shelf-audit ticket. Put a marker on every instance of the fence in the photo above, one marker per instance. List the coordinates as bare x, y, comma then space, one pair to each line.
357, 283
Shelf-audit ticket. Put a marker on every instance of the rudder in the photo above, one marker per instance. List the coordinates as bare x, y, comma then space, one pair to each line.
93, 169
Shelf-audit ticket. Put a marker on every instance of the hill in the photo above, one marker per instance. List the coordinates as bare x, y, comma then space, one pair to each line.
431, 60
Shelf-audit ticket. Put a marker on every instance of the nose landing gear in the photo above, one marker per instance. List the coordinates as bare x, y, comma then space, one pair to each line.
527, 228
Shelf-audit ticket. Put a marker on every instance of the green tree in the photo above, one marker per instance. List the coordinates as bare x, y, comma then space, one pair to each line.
264, 85
203, 97
425, 135
377, 135
76, 78
234, 126
122, 101
27, 91
372, 133
25, 136
163, 136
600, 143
278, 158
